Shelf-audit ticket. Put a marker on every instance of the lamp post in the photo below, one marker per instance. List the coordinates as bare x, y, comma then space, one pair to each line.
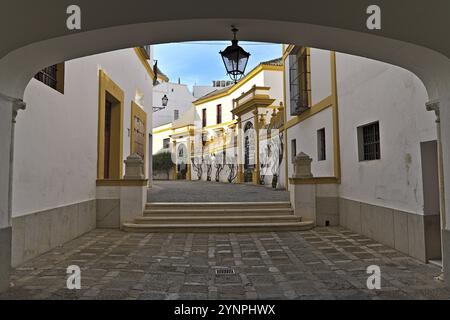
235, 58
164, 101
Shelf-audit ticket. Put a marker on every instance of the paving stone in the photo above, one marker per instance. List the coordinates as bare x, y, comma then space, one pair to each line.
324, 263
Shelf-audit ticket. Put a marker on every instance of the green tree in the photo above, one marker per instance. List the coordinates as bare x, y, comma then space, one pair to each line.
163, 162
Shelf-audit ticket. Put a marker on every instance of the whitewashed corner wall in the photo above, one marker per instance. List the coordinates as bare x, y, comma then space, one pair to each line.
55, 168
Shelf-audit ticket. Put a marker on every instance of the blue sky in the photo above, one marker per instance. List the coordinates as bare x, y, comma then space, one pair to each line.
199, 62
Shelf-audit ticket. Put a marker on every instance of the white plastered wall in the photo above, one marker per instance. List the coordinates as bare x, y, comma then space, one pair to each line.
371, 91
56, 137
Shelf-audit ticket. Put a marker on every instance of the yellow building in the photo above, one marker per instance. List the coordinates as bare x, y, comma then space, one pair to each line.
224, 136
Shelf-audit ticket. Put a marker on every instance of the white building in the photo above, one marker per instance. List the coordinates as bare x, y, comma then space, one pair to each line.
179, 101
372, 144
209, 131
79, 127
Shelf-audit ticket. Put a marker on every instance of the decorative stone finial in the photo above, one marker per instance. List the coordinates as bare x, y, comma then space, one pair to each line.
434, 106
302, 166
134, 167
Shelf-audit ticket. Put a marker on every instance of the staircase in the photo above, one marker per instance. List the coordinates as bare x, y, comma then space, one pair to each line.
218, 217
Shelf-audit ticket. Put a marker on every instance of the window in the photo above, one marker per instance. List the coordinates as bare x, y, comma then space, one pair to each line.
293, 150
166, 143
176, 114
219, 114
298, 81
321, 154
203, 118
369, 142
52, 76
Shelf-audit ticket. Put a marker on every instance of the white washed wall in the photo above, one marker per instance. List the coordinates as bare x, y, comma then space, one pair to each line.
56, 137
180, 98
369, 91
306, 135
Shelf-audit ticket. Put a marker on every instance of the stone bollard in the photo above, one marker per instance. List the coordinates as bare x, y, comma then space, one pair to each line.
302, 166
302, 191
134, 167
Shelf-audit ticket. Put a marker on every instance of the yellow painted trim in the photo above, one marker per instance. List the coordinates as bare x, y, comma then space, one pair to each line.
155, 131
330, 101
106, 85
316, 180
286, 163
336, 138
318, 107
243, 81
137, 111
223, 124
288, 51
257, 102
60, 76
142, 55
121, 183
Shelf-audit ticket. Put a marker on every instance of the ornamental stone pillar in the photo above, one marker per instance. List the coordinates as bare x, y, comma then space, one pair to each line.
302, 190
134, 167
302, 166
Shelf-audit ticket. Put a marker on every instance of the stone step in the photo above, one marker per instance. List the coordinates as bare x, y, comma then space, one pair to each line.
178, 212
217, 205
215, 219
219, 227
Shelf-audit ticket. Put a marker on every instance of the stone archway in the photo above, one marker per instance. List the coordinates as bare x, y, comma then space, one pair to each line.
407, 39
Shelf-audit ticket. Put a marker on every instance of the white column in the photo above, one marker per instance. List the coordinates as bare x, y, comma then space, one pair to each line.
443, 106
8, 112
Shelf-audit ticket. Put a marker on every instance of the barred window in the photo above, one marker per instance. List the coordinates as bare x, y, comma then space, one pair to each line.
52, 76
293, 150
369, 142
298, 81
219, 114
204, 118
321, 153
166, 143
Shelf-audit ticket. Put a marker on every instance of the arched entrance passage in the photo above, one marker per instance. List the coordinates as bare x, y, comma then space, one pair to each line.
407, 40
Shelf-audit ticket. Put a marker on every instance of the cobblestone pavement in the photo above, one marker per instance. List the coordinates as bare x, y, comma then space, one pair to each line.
203, 191
324, 263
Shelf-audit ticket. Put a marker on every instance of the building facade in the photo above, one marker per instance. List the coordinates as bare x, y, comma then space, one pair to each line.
215, 139
363, 124
179, 101
84, 117
372, 142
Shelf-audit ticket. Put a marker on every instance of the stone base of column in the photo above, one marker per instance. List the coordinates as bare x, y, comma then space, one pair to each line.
240, 175
303, 200
188, 173
5, 257
446, 257
256, 177
132, 202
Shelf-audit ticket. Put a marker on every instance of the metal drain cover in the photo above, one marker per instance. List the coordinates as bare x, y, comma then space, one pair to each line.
225, 271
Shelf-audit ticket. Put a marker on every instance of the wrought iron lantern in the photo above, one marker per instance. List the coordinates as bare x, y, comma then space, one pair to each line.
164, 102
235, 59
